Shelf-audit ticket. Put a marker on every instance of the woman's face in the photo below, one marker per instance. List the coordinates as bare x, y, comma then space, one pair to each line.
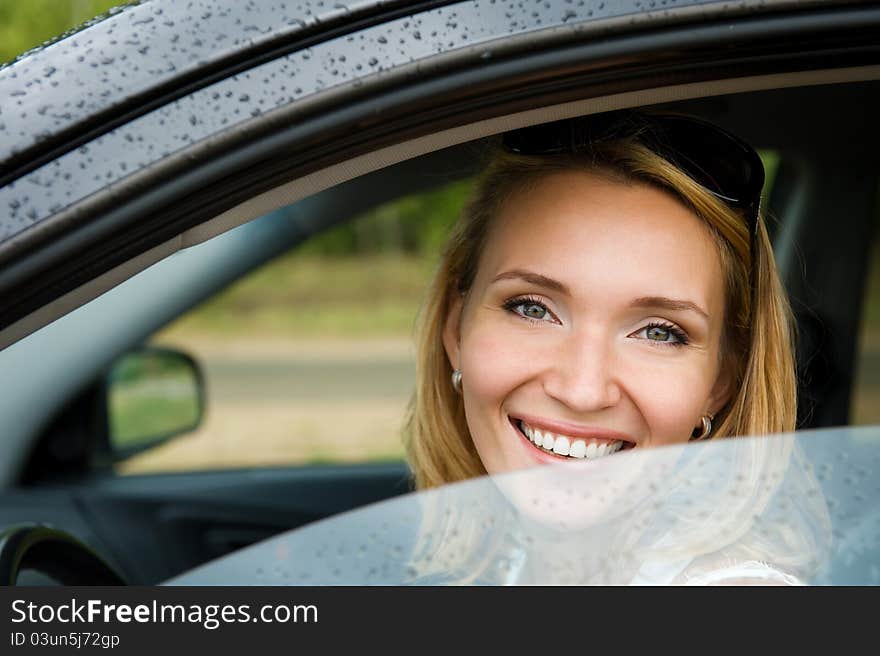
595, 318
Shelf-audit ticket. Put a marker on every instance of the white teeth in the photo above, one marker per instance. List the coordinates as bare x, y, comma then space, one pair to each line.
578, 449
567, 446
561, 446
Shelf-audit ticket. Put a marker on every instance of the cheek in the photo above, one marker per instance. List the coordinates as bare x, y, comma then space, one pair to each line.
670, 399
493, 369
492, 366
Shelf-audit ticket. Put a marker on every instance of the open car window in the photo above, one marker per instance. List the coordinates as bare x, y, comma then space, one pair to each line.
323, 330
783, 509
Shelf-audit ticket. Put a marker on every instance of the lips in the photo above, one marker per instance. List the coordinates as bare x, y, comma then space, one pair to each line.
587, 445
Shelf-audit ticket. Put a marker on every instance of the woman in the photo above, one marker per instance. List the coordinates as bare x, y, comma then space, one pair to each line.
611, 286
611, 281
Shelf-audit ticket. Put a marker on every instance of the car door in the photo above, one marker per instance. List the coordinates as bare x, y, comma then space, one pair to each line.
302, 109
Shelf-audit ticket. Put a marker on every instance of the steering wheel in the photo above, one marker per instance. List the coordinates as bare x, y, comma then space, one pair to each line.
53, 552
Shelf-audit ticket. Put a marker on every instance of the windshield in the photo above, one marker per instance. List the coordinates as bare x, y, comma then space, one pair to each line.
787, 509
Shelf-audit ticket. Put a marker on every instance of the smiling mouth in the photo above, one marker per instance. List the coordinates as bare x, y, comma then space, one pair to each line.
570, 447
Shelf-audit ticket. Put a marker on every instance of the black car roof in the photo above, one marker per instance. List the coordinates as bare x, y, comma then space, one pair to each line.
140, 56
134, 52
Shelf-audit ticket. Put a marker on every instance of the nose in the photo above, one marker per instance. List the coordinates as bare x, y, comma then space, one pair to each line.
583, 373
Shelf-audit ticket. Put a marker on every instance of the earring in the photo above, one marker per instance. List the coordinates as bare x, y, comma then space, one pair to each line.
707, 428
456, 380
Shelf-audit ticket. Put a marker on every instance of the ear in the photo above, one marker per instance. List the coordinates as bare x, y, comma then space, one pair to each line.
721, 392
452, 331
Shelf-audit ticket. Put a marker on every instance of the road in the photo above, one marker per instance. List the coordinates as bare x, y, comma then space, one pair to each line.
298, 380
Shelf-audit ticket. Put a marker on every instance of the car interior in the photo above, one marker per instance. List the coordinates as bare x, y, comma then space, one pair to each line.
822, 209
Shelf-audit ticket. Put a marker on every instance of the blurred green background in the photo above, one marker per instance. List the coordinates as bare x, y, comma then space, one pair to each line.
363, 279
25, 24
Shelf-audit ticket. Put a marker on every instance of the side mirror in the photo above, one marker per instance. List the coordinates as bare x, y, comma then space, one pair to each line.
153, 394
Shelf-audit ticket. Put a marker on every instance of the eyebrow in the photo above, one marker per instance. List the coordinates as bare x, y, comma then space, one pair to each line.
668, 304
533, 278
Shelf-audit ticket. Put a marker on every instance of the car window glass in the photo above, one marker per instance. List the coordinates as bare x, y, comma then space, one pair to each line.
309, 358
783, 509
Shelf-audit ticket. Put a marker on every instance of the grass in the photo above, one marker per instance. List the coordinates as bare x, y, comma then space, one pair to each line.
25, 24
306, 296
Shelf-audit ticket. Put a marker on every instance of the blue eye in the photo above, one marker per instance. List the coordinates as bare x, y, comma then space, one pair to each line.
528, 308
533, 310
664, 333
659, 334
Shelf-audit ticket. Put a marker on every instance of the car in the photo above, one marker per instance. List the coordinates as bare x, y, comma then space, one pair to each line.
157, 156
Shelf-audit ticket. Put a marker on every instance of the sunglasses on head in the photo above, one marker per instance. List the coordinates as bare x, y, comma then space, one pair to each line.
720, 162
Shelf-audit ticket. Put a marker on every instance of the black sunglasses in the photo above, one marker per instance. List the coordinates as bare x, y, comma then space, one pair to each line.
717, 160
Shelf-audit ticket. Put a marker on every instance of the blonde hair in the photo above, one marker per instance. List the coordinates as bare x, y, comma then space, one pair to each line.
757, 343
